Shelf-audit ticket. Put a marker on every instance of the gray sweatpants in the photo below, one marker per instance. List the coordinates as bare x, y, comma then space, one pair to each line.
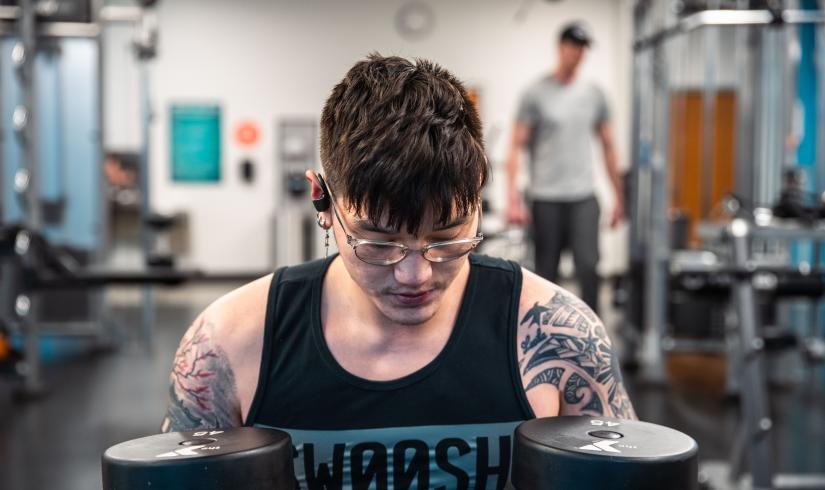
573, 224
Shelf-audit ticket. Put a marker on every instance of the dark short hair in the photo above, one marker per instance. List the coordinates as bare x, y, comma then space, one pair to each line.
400, 137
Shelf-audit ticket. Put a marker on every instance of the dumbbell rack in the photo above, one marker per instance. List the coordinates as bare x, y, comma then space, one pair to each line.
29, 21
27, 186
757, 424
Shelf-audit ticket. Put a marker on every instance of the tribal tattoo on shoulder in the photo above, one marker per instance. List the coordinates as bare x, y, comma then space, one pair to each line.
564, 344
202, 391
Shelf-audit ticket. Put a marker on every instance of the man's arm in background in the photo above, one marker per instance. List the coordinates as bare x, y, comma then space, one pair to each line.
516, 212
611, 162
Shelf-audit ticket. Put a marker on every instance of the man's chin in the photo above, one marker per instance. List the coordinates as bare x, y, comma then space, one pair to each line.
410, 316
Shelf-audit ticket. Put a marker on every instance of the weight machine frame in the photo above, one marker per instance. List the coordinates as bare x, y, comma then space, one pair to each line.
23, 21
650, 245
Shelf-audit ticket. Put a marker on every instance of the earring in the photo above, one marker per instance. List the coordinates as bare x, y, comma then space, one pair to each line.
323, 224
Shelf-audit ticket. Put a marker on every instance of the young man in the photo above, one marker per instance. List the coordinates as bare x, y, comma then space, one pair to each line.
404, 360
557, 119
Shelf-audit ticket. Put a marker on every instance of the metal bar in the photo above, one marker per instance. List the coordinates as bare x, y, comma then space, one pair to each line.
704, 18
28, 128
146, 238
113, 14
710, 346
728, 18
733, 384
771, 119
637, 224
819, 51
32, 378
58, 29
711, 42
9, 12
144, 179
148, 317
803, 17
799, 482
740, 441
678, 144
32, 213
720, 17
658, 252
754, 404
777, 229
109, 14
101, 250
93, 278
68, 29
752, 268
637, 205
744, 49
90, 328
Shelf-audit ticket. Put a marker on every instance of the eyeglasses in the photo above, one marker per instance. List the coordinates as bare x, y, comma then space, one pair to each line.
378, 252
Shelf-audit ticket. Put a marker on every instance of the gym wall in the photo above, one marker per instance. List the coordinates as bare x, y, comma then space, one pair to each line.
271, 59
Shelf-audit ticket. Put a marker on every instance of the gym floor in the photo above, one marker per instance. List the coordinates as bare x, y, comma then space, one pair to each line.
98, 400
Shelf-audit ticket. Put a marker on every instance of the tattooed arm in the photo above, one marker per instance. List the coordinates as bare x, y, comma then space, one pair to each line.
567, 363
202, 390
215, 371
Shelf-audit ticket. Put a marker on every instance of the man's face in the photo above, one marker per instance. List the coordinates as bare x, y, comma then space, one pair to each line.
571, 54
411, 291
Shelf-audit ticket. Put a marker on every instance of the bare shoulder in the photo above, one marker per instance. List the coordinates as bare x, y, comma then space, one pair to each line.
215, 370
565, 357
238, 318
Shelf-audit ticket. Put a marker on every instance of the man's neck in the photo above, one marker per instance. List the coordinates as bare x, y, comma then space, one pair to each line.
367, 344
563, 76
352, 309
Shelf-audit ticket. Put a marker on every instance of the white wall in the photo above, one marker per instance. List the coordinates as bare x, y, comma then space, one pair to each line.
269, 59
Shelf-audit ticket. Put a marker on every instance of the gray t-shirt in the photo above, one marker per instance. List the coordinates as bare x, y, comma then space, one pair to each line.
563, 119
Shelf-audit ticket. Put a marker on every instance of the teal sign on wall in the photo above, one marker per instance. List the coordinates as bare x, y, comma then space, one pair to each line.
196, 142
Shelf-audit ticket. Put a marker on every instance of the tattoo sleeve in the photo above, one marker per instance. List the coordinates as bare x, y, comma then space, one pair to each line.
564, 344
202, 391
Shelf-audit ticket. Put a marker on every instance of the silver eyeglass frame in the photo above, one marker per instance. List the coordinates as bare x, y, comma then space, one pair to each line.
405, 250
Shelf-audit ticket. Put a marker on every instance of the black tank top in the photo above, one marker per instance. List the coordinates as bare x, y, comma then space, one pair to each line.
448, 425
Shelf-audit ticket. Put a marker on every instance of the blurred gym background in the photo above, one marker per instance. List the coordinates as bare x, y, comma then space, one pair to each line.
152, 158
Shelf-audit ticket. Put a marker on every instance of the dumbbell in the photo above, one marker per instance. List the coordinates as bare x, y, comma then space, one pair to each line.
605, 453
243, 458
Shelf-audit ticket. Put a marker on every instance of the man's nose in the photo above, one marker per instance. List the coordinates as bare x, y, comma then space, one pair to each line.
413, 270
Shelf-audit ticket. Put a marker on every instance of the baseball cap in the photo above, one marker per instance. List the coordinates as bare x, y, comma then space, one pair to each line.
576, 32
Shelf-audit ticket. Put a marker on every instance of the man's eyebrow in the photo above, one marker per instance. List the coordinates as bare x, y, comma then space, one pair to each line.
456, 222
368, 225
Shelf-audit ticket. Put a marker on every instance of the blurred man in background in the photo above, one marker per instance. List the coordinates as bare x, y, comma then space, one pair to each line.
557, 118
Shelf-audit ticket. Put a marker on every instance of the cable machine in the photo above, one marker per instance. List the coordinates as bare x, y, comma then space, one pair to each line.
719, 203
